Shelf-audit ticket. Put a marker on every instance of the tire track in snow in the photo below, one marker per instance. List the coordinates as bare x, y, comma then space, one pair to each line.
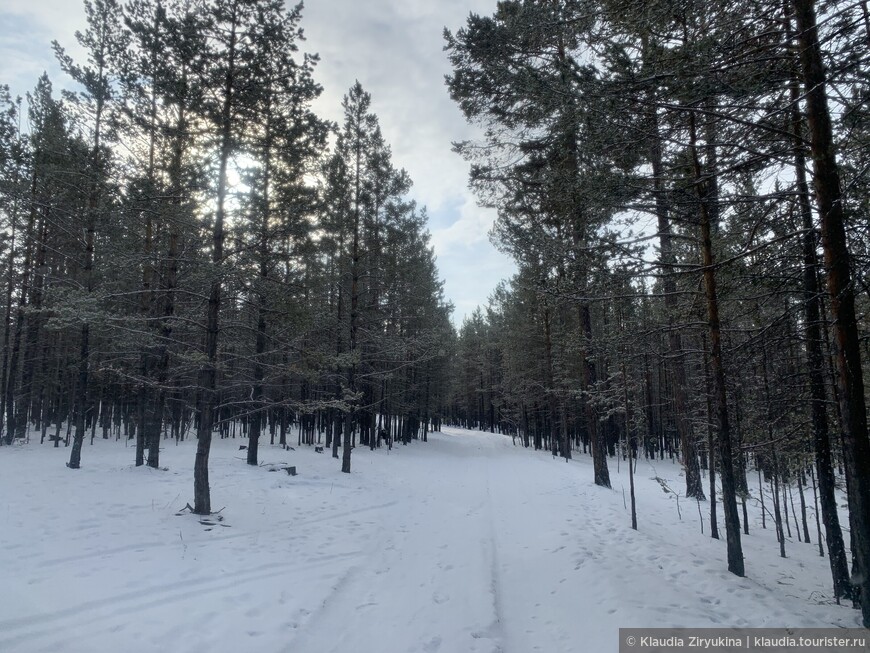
48, 624
421, 588
495, 631
325, 611
209, 541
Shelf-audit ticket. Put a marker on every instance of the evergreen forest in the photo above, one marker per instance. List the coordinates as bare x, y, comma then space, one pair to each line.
189, 252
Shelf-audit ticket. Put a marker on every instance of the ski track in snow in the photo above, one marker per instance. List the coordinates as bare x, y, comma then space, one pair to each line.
464, 543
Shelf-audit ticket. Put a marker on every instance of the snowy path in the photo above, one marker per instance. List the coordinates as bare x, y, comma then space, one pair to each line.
465, 543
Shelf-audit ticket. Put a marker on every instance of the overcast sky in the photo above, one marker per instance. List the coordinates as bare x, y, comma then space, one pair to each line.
394, 48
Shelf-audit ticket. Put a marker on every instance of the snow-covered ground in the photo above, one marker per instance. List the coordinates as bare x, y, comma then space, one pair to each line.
464, 543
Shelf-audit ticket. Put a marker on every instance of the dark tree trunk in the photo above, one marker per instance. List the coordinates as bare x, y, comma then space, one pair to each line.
94, 194
85, 343
729, 494
694, 487
354, 306
826, 179
590, 378
260, 344
170, 279
208, 373
554, 409
711, 449
630, 447
7, 330
815, 358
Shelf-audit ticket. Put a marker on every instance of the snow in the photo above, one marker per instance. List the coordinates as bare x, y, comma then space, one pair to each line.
464, 543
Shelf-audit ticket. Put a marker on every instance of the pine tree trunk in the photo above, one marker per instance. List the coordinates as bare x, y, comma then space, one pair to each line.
628, 438
815, 358
170, 279
596, 434
729, 495
7, 331
548, 349
826, 179
88, 280
354, 297
260, 343
208, 373
711, 449
147, 396
694, 487
777, 512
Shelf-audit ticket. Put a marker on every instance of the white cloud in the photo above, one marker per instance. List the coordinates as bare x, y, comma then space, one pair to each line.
469, 231
29, 27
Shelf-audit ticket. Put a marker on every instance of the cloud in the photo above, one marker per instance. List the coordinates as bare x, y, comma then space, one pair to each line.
471, 274
25, 44
469, 231
395, 49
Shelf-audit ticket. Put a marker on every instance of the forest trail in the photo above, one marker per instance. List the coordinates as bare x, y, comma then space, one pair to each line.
464, 543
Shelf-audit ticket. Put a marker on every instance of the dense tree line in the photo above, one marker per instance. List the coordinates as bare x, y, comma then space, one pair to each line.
683, 186
188, 249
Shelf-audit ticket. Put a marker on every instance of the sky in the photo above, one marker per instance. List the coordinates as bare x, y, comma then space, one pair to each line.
395, 49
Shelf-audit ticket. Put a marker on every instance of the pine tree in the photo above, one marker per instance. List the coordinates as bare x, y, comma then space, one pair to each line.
104, 44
